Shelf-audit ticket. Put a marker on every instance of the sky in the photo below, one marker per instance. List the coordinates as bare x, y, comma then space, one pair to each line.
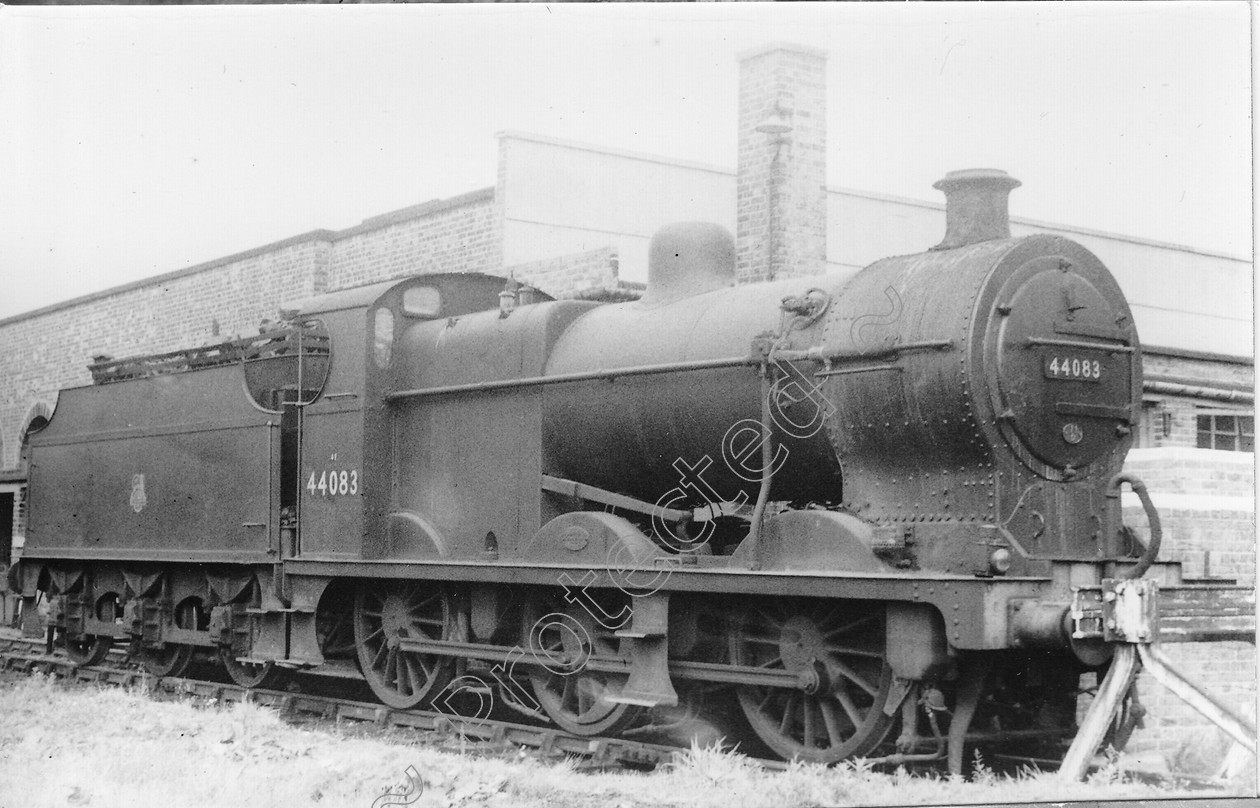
141, 140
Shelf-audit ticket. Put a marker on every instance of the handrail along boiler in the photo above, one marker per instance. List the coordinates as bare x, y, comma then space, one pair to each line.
839, 503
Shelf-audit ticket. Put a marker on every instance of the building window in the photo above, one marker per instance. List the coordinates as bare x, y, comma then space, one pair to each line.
1228, 431
1150, 425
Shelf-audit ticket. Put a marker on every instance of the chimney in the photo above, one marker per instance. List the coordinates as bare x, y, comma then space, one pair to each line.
688, 258
975, 206
781, 196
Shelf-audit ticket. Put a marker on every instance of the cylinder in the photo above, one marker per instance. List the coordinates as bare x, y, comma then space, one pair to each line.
1035, 624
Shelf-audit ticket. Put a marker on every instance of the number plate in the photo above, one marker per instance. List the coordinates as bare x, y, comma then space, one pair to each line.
1074, 368
333, 483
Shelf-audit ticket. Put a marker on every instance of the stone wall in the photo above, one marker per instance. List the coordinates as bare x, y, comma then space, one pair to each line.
450, 235
587, 275
50, 349
1206, 503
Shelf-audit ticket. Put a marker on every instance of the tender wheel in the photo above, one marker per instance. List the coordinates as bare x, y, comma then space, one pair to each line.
384, 614
251, 674
571, 696
173, 659
87, 650
839, 646
92, 650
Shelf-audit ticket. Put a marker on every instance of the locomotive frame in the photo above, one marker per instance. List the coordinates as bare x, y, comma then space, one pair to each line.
453, 480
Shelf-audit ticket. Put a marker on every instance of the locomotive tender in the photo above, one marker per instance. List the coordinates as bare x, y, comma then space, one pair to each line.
834, 502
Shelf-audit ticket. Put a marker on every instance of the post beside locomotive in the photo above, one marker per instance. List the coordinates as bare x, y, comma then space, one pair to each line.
836, 503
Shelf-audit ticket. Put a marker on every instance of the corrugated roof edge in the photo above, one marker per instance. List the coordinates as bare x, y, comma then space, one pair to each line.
313, 235
374, 223
416, 211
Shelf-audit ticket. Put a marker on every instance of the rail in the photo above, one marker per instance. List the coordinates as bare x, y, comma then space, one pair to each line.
26, 656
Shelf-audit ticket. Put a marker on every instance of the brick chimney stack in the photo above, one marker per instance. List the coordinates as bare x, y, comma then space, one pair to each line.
781, 227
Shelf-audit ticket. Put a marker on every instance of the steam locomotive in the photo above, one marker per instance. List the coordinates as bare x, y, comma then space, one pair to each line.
833, 504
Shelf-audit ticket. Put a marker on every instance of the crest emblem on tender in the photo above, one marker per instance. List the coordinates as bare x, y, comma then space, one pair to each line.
138, 499
574, 538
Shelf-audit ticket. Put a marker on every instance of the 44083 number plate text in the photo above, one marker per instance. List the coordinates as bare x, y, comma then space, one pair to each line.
1074, 368
333, 483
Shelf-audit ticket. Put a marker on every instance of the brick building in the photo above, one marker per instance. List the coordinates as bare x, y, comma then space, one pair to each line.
575, 219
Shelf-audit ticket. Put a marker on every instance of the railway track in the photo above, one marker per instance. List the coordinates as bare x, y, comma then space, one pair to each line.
485, 736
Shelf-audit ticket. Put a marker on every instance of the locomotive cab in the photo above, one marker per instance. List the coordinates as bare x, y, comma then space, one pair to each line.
337, 476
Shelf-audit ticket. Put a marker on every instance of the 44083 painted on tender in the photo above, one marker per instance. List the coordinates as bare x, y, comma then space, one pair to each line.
826, 505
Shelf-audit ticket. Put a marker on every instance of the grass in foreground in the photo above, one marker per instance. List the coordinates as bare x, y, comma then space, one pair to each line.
63, 745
